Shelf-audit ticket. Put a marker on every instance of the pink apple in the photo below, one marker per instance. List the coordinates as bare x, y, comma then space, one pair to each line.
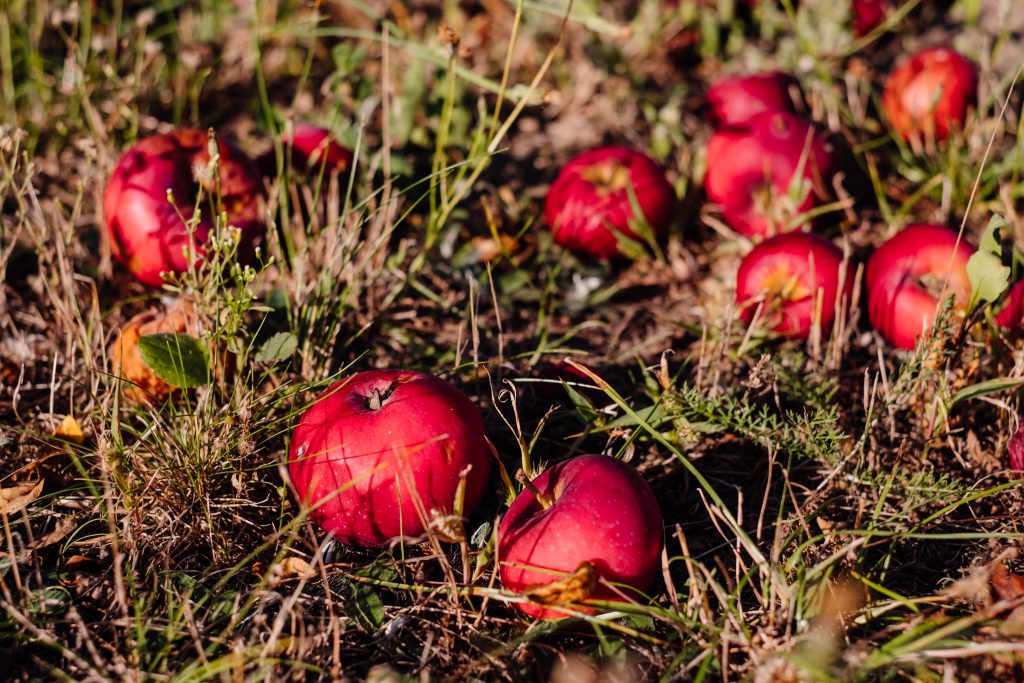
1015, 449
750, 170
908, 274
735, 100
382, 453
795, 279
148, 234
588, 207
600, 511
929, 95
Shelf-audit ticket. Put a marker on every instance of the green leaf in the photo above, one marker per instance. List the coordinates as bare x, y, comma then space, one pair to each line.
989, 277
582, 404
364, 606
279, 347
991, 386
181, 360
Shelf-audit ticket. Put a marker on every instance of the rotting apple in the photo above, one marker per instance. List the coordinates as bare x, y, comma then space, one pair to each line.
792, 280
148, 232
929, 95
143, 386
589, 207
385, 454
910, 275
868, 15
581, 525
751, 171
313, 147
735, 100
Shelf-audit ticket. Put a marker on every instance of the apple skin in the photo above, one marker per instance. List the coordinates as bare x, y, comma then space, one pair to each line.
310, 143
867, 15
602, 512
735, 100
589, 201
900, 306
1015, 449
768, 148
929, 95
1011, 313
804, 263
147, 234
384, 470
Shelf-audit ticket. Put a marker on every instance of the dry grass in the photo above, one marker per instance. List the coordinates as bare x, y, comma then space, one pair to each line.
834, 511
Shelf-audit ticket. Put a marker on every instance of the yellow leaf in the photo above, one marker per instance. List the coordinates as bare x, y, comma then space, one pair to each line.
70, 430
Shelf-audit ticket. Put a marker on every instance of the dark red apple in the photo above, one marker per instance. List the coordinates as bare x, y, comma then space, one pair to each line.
588, 207
148, 234
751, 168
733, 101
382, 453
1015, 450
313, 147
908, 274
794, 279
929, 95
596, 510
868, 14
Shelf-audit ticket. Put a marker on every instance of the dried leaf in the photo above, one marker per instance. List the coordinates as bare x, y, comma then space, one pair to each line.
1006, 584
576, 587
70, 430
295, 566
17, 498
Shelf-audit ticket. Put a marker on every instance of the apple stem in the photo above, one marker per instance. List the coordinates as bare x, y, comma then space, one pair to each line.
544, 501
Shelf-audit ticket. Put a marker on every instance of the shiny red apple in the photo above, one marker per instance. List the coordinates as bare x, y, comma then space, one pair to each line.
792, 280
735, 100
381, 454
929, 95
750, 172
596, 510
148, 233
589, 207
910, 275
1011, 312
313, 147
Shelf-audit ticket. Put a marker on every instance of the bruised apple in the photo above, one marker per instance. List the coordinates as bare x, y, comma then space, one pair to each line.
929, 95
790, 281
383, 454
148, 232
908, 277
751, 170
735, 100
589, 206
589, 521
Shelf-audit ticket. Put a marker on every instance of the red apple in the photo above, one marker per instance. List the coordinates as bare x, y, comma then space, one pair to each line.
588, 206
735, 100
599, 510
868, 14
798, 277
1011, 312
929, 95
313, 146
750, 170
908, 274
148, 234
382, 453
1016, 450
